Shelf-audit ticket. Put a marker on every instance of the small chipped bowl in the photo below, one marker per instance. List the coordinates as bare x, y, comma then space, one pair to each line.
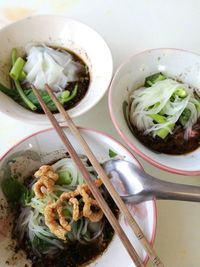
62, 32
176, 63
38, 151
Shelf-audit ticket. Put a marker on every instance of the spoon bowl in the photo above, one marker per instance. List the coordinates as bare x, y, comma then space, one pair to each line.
135, 186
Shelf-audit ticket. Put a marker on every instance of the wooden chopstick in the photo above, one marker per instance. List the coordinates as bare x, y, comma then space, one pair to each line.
95, 191
121, 205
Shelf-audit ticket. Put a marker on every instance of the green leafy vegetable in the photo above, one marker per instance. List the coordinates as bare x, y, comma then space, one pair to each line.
24, 98
185, 116
12, 189
46, 98
9, 92
150, 80
112, 154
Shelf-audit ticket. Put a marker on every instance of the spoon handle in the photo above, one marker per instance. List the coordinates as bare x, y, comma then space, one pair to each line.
173, 191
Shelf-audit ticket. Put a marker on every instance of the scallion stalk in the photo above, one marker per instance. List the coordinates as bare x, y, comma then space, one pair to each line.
23, 96
17, 68
16, 71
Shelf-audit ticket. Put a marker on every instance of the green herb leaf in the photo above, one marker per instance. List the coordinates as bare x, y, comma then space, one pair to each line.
112, 154
45, 96
12, 189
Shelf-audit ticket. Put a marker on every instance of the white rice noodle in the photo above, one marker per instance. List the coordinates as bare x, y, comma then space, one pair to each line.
47, 65
156, 99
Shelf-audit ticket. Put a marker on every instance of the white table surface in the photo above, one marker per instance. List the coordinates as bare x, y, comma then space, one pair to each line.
129, 26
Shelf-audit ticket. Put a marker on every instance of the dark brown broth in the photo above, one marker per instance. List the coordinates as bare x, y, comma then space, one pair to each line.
174, 144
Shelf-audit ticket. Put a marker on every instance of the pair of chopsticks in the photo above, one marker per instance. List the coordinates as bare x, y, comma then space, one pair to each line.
95, 191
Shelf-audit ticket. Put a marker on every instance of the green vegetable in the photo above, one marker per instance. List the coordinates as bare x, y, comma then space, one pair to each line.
12, 189
197, 104
65, 95
112, 154
163, 132
47, 99
64, 178
73, 94
45, 96
154, 106
150, 80
17, 68
185, 116
9, 92
158, 118
181, 92
13, 56
22, 76
25, 99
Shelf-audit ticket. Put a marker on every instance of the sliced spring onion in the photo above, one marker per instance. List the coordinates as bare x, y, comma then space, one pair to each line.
163, 132
15, 73
13, 56
17, 68
150, 80
158, 118
185, 116
65, 94
22, 75
70, 97
64, 178
181, 92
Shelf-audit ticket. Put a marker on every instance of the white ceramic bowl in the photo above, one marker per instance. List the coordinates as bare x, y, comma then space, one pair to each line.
63, 32
49, 147
175, 63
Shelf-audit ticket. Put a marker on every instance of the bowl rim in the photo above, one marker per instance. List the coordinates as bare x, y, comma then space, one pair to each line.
41, 120
123, 135
155, 215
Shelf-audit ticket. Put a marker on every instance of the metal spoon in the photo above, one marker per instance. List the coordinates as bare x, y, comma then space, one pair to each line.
134, 185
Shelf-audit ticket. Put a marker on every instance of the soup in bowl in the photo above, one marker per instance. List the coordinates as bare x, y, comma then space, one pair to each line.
154, 102
45, 216
68, 56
